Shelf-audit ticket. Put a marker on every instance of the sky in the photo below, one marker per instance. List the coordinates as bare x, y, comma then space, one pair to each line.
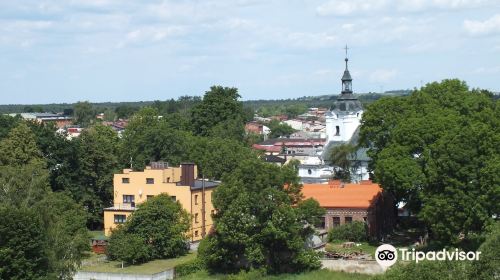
55, 51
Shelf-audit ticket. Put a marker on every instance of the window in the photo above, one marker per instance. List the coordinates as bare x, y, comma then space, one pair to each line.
125, 180
336, 221
168, 179
364, 219
321, 223
195, 199
174, 198
120, 219
196, 233
348, 220
196, 217
148, 197
309, 171
150, 180
129, 199
337, 130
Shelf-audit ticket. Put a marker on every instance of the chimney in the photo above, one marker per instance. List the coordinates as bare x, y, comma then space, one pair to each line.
187, 174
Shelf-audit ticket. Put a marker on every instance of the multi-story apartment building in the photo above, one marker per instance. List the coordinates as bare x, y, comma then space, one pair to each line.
131, 188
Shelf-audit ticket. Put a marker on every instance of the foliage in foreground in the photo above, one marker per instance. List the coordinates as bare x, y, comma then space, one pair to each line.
486, 268
156, 230
256, 225
42, 233
322, 274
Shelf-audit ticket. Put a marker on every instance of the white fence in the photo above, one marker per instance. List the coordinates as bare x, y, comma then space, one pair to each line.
84, 275
353, 266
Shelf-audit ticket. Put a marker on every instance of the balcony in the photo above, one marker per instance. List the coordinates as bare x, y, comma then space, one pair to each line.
122, 206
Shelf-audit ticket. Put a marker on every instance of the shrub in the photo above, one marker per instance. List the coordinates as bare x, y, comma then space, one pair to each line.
188, 268
355, 232
127, 247
427, 270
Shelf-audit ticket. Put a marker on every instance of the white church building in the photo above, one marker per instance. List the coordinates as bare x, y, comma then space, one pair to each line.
342, 127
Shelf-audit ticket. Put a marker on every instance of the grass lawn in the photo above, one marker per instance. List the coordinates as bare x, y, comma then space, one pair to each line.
313, 275
145, 268
364, 248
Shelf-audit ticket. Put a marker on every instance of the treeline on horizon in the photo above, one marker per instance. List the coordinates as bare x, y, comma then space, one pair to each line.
172, 105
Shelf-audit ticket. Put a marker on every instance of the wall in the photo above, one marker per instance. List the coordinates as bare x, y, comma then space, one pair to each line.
83, 275
197, 209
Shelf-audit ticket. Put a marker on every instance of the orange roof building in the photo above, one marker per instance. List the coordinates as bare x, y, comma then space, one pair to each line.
345, 203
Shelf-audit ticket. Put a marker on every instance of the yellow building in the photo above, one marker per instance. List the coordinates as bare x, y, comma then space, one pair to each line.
134, 187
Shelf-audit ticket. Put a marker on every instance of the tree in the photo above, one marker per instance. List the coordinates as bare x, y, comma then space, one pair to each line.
150, 138
59, 223
220, 114
98, 161
125, 111
268, 234
23, 244
279, 129
161, 223
84, 113
436, 150
6, 124
19, 148
340, 156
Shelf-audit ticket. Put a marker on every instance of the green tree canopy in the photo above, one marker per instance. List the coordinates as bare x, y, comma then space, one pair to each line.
84, 113
98, 161
279, 129
220, 114
437, 149
161, 223
20, 148
340, 157
269, 234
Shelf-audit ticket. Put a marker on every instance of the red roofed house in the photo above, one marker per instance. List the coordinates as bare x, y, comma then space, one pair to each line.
345, 203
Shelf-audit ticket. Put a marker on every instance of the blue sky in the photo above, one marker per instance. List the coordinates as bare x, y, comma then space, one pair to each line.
124, 50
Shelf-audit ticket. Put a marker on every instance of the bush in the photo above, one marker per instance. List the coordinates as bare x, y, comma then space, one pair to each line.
488, 265
127, 247
188, 268
355, 232
427, 270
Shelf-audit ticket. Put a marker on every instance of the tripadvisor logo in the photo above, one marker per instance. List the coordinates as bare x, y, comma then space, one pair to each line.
386, 255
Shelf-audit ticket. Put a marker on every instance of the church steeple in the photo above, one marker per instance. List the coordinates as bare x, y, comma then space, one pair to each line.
346, 78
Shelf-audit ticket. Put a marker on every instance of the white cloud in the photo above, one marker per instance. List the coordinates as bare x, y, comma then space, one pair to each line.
383, 75
489, 26
348, 7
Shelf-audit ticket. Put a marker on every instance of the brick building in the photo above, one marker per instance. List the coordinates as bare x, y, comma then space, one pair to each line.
345, 203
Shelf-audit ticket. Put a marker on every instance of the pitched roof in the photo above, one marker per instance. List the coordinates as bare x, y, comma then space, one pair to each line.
333, 195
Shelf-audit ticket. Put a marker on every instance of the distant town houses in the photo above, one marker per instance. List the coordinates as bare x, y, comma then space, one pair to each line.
59, 120
317, 133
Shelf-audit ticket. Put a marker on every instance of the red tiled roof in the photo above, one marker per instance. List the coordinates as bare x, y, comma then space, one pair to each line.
349, 196
276, 149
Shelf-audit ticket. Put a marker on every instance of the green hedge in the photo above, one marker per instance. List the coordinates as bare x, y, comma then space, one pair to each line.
188, 268
355, 232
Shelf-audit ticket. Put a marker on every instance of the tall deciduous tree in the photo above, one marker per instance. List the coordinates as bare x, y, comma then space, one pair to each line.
98, 157
220, 114
19, 148
269, 234
84, 113
437, 149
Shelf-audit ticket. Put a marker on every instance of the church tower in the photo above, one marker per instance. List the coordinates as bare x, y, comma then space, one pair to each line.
345, 116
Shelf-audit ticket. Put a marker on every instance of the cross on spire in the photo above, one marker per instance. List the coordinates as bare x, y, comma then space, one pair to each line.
346, 48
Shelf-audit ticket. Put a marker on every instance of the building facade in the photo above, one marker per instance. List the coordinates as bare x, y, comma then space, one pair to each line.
345, 203
131, 188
